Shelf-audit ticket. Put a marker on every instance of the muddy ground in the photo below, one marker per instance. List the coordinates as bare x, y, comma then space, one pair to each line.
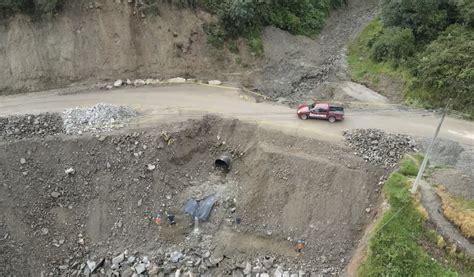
285, 188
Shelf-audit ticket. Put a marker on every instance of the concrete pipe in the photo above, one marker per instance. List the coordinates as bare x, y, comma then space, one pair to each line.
223, 162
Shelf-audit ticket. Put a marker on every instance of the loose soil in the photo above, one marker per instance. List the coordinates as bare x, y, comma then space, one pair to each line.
285, 188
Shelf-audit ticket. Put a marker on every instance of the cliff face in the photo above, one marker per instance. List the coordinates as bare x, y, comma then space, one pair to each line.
106, 41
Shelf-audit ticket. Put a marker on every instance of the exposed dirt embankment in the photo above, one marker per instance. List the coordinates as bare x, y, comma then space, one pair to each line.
88, 43
67, 200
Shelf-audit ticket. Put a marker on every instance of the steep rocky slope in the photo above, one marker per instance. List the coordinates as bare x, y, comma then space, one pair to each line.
105, 40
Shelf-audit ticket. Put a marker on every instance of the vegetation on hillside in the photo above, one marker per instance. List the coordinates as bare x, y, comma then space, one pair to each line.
36, 8
237, 17
400, 244
427, 44
245, 18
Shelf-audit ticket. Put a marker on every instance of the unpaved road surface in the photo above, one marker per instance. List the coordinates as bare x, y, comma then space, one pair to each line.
177, 103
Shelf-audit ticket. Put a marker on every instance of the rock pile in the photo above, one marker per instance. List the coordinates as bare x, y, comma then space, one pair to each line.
29, 125
379, 148
177, 263
101, 117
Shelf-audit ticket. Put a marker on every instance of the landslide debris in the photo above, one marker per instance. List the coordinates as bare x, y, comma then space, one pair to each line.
378, 147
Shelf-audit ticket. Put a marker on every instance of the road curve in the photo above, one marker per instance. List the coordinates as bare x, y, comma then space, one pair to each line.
179, 102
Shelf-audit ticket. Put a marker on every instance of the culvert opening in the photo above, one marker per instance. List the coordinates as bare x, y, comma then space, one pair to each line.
281, 190
223, 163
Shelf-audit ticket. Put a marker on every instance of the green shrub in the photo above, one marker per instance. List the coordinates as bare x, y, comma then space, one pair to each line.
305, 17
394, 44
238, 16
232, 46
255, 43
426, 18
446, 68
215, 35
408, 167
466, 11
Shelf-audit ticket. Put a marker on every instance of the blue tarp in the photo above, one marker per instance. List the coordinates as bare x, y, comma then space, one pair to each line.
200, 209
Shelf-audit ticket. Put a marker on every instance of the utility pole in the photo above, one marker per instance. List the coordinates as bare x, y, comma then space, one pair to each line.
428, 152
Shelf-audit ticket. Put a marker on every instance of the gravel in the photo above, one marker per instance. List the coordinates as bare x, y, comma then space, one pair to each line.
101, 117
445, 152
379, 148
30, 125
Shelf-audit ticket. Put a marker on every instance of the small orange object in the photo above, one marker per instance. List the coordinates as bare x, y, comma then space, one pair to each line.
300, 245
157, 218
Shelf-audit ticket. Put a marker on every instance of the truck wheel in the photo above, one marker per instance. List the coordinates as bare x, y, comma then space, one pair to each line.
332, 119
304, 116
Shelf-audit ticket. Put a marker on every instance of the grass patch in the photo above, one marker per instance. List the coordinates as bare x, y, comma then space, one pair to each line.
458, 210
409, 167
395, 246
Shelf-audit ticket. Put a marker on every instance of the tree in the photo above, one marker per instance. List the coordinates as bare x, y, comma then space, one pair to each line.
466, 11
447, 67
394, 44
426, 18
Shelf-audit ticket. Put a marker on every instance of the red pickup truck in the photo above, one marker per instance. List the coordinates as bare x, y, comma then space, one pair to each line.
320, 110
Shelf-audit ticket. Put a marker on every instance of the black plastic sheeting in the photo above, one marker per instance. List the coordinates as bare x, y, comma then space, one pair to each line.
200, 209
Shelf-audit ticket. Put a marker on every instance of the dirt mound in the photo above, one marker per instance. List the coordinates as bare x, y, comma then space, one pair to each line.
280, 189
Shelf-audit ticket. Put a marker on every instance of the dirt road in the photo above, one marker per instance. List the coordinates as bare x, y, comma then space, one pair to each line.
180, 102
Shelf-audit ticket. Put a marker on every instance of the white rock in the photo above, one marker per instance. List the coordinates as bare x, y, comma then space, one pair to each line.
248, 268
118, 83
139, 82
91, 265
177, 80
131, 259
69, 171
176, 256
22, 161
149, 81
109, 87
215, 82
55, 194
151, 167
129, 82
118, 259
278, 272
140, 268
